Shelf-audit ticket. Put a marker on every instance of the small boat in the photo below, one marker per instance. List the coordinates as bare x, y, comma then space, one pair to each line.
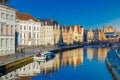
44, 56
113, 63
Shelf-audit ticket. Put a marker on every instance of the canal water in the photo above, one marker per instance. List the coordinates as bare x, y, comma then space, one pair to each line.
77, 64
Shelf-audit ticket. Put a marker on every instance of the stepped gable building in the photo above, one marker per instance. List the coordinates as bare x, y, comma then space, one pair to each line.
78, 34
110, 33
107, 33
90, 35
65, 34
72, 34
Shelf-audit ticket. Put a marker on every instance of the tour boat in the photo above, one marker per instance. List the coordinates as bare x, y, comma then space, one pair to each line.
44, 56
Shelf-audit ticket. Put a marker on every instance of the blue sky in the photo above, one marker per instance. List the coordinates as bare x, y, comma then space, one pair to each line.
89, 13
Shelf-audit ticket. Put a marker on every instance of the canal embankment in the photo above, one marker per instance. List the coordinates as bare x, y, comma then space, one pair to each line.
113, 63
13, 62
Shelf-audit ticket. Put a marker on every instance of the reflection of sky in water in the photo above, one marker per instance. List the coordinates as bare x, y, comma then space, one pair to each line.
77, 64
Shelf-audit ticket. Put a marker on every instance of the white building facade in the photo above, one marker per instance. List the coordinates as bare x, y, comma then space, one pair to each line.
29, 30
7, 30
46, 34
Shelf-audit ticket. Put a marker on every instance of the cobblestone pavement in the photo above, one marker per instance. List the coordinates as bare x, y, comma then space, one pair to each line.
19, 55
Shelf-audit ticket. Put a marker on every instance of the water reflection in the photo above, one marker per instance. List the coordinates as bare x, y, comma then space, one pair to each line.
72, 58
99, 54
26, 71
68, 59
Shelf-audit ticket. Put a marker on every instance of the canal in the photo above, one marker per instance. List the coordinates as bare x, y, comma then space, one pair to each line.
77, 64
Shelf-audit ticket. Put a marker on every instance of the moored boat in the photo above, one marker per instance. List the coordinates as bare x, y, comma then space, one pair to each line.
44, 56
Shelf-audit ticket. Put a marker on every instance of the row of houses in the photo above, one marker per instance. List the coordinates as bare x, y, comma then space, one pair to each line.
35, 32
22, 29
107, 33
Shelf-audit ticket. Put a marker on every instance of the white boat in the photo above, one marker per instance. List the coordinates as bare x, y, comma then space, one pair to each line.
44, 56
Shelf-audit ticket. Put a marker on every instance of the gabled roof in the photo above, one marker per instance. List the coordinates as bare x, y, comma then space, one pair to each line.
24, 16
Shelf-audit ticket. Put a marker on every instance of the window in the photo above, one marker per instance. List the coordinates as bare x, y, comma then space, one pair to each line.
24, 27
24, 35
12, 42
20, 27
3, 15
6, 42
2, 30
29, 27
2, 41
8, 16
29, 35
37, 35
20, 35
33, 35
7, 29
38, 28
12, 17
34, 28
12, 30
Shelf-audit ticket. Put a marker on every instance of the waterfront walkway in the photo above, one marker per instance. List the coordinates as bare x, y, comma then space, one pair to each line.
28, 52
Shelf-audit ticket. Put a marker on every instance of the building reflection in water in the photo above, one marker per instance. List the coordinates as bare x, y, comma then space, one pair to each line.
66, 58
73, 57
26, 72
102, 53
99, 53
70, 58
90, 53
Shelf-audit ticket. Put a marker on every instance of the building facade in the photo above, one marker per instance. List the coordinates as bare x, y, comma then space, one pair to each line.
99, 35
7, 30
78, 34
107, 33
29, 30
65, 35
90, 35
70, 32
110, 33
56, 33
47, 32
